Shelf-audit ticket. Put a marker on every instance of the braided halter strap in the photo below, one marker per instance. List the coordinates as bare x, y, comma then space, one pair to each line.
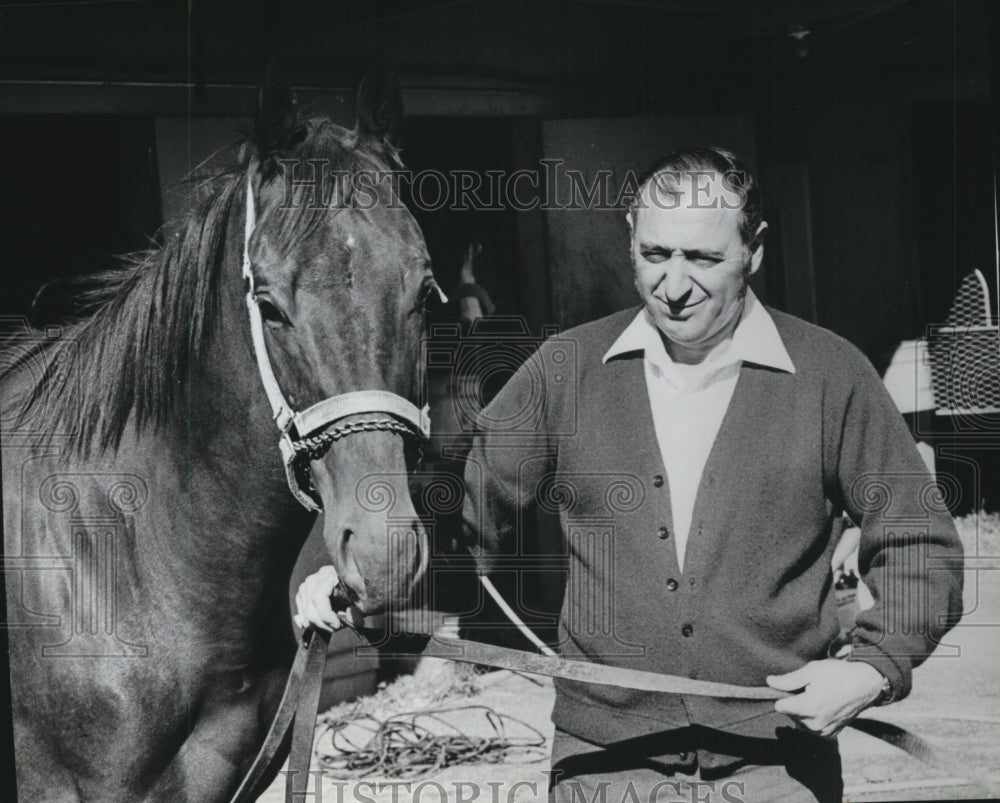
304, 435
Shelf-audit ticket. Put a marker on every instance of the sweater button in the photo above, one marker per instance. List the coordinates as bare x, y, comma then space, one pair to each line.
658, 480
663, 532
686, 631
671, 584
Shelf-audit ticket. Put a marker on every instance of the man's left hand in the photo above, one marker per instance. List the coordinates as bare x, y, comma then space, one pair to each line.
832, 693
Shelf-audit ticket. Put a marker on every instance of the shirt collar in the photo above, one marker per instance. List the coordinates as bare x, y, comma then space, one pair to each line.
755, 340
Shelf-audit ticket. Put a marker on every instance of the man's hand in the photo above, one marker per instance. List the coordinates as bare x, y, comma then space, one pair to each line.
312, 602
833, 693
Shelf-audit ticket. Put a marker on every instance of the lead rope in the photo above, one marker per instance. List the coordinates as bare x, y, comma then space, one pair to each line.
516, 620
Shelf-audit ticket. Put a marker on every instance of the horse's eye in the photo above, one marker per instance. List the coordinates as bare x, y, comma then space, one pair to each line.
269, 312
430, 295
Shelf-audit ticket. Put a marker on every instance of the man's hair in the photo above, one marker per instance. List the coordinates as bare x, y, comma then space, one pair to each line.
713, 159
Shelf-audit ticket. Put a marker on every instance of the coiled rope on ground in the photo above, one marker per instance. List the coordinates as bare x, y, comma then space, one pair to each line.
415, 745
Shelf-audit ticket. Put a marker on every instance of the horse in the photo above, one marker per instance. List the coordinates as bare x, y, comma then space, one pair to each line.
150, 531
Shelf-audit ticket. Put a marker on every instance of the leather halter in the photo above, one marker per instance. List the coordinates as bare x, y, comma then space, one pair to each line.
302, 434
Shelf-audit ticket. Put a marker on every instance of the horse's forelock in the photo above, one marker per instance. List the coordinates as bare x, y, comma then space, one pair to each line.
340, 153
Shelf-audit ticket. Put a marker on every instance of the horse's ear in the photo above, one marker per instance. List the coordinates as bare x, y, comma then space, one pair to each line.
277, 126
380, 105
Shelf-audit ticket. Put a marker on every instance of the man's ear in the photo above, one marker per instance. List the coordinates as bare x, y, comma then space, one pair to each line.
756, 247
630, 219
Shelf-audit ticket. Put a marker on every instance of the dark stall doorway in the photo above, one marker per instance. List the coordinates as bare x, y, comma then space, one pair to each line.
452, 147
953, 165
465, 152
78, 190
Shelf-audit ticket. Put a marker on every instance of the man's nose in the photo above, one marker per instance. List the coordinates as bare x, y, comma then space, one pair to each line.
677, 282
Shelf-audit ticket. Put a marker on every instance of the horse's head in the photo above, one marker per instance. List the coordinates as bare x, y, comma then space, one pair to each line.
341, 273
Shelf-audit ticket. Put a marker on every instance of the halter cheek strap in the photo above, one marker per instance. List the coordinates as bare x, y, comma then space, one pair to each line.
302, 434
279, 407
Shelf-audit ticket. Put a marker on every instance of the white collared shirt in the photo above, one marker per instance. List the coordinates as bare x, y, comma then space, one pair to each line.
688, 402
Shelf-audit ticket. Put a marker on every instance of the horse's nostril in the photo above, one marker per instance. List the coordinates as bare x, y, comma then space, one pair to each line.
343, 597
348, 532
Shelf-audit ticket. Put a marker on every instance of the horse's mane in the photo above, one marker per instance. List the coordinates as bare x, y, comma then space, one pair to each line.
150, 318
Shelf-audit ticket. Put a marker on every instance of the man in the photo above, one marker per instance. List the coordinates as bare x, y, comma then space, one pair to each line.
748, 432
699, 450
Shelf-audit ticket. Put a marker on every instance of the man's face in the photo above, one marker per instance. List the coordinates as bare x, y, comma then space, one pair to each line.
691, 266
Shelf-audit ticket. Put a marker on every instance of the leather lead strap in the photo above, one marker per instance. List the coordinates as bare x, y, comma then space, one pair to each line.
302, 693
300, 758
308, 668
477, 652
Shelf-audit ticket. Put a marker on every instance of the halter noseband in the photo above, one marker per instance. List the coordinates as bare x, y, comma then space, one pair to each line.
304, 435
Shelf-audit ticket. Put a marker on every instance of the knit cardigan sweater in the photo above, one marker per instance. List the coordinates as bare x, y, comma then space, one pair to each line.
575, 436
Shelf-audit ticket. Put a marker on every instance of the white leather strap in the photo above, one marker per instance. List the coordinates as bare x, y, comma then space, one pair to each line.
282, 413
361, 401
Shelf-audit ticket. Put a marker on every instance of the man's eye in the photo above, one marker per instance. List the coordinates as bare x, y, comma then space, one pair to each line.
654, 256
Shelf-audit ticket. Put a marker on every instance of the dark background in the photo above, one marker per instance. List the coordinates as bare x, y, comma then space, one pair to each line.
870, 124
871, 121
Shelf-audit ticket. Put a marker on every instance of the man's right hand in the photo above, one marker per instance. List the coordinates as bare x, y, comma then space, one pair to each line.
312, 601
